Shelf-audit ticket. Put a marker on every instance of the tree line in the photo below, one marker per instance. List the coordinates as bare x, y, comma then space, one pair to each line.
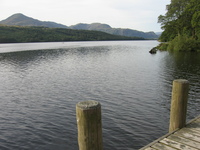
181, 25
18, 34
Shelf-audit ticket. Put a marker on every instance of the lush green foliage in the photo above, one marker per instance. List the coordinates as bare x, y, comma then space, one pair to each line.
184, 43
16, 34
181, 25
162, 46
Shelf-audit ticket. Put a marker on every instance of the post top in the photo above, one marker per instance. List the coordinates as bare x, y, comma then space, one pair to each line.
181, 81
90, 104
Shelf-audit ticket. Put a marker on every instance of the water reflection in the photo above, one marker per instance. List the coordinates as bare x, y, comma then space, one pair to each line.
181, 65
187, 63
187, 66
24, 59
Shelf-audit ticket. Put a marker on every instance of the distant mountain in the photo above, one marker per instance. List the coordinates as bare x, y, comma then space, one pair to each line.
158, 33
116, 31
22, 20
93, 26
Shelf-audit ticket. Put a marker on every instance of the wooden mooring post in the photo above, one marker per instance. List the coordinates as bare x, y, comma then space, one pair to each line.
88, 114
178, 104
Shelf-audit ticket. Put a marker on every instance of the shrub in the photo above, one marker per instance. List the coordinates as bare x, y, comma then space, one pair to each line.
162, 46
184, 43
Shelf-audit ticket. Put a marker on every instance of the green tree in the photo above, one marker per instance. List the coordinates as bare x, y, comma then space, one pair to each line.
194, 9
181, 25
174, 20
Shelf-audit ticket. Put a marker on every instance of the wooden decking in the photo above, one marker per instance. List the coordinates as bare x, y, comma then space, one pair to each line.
187, 138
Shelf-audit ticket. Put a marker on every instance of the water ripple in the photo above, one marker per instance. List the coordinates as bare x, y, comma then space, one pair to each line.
40, 89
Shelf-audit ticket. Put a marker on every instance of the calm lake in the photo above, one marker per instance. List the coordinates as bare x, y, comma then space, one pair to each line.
41, 83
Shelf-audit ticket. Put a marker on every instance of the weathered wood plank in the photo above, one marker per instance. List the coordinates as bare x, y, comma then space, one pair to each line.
194, 126
190, 130
161, 146
175, 144
149, 148
194, 130
188, 135
184, 141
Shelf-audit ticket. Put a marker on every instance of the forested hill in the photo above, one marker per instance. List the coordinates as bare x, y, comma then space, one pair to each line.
181, 25
16, 34
116, 31
22, 20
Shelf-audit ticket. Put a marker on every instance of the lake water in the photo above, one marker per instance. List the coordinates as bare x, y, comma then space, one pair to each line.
41, 83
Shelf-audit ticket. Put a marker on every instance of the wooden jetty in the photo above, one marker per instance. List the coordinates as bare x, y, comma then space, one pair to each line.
187, 138
181, 136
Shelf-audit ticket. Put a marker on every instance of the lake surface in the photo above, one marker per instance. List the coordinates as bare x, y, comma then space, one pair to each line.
41, 83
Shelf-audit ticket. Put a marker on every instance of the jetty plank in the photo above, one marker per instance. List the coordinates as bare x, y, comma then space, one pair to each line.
195, 131
176, 144
185, 141
149, 148
188, 135
163, 146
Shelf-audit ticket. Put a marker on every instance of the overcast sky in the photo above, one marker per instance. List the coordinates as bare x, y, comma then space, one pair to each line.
134, 14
